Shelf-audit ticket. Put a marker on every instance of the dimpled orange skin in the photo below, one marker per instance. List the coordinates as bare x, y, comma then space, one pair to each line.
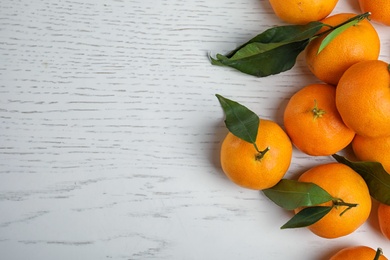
356, 253
357, 43
238, 157
363, 98
380, 10
317, 136
373, 149
384, 219
342, 182
302, 11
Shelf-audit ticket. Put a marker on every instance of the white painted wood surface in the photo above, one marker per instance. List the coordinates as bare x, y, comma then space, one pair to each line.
110, 133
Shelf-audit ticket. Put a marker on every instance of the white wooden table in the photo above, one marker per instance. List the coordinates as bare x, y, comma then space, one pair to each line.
110, 133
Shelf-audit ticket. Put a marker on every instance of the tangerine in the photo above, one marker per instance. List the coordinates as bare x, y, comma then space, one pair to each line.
379, 9
373, 149
356, 253
357, 43
302, 11
343, 183
363, 98
311, 118
384, 219
245, 166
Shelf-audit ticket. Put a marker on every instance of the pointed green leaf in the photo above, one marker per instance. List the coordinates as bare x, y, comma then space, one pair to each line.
265, 63
377, 179
307, 216
289, 33
240, 121
290, 194
253, 49
282, 35
271, 52
217, 61
334, 33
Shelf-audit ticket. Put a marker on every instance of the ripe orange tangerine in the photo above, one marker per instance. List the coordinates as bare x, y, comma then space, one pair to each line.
248, 168
380, 10
302, 11
363, 98
343, 183
357, 43
384, 219
373, 149
313, 123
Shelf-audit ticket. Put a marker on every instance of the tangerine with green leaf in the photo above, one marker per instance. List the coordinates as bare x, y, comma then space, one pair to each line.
256, 153
358, 42
257, 169
352, 205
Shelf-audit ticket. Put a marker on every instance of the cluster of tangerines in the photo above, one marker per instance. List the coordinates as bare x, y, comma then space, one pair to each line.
350, 108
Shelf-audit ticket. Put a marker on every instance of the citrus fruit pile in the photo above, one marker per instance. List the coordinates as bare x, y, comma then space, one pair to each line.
350, 107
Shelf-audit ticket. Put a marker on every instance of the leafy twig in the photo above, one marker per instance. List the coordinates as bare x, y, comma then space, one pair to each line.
276, 49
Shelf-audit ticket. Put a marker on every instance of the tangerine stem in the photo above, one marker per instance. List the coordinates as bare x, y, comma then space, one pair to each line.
357, 17
379, 252
340, 202
317, 112
257, 149
261, 154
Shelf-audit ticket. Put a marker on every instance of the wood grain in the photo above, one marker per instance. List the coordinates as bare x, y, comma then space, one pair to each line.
110, 133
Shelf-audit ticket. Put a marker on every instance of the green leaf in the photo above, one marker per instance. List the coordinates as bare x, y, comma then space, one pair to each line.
240, 121
334, 33
307, 217
289, 33
271, 52
264, 63
253, 49
377, 179
282, 35
290, 194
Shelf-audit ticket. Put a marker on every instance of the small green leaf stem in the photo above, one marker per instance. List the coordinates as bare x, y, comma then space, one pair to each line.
339, 202
261, 154
378, 253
